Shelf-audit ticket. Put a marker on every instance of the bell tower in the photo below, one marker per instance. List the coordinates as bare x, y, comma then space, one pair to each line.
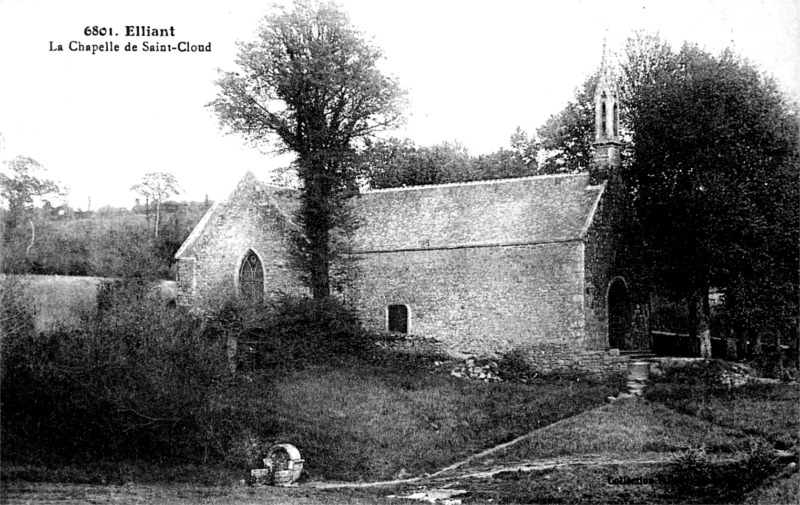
607, 143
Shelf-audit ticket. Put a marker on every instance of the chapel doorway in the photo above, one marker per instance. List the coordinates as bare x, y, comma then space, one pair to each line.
619, 315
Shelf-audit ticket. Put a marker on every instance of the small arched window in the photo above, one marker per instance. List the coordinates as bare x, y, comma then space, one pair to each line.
397, 318
251, 278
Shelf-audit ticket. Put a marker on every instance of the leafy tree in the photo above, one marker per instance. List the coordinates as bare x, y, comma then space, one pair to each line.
518, 161
711, 164
715, 175
566, 138
396, 162
20, 189
311, 82
157, 186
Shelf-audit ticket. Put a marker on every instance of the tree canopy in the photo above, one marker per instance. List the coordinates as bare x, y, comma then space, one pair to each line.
157, 186
565, 139
716, 174
311, 83
23, 184
394, 163
20, 188
711, 165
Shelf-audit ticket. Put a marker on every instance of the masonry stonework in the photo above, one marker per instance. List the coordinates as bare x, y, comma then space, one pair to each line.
485, 268
208, 263
608, 259
480, 300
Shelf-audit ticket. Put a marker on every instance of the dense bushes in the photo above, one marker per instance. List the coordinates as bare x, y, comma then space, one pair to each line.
132, 382
140, 381
138, 384
297, 332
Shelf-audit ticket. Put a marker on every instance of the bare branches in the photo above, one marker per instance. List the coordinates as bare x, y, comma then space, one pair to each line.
158, 186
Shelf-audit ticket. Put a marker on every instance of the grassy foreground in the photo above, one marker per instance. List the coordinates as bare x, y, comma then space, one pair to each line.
352, 420
625, 430
138, 391
771, 411
367, 422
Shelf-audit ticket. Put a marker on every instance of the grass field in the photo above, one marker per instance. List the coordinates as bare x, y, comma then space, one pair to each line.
362, 422
696, 461
771, 411
362, 414
61, 301
625, 429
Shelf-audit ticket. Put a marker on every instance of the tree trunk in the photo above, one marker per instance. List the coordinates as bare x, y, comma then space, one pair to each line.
158, 214
322, 287
33, 237
699, 319
318, 208
320, 267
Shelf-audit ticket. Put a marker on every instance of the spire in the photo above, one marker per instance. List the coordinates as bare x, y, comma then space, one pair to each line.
606, 102
604, 60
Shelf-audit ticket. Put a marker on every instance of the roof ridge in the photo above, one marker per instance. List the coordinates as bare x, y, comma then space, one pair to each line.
474, 183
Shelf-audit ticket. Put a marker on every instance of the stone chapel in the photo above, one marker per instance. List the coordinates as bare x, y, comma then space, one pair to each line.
530, 264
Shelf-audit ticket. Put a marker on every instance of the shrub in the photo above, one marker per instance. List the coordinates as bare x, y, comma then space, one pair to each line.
133, 382
136, 380
16, 307
290, 332
17, 318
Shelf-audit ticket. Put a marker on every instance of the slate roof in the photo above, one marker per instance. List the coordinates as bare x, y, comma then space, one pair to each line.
528, 210
504, 212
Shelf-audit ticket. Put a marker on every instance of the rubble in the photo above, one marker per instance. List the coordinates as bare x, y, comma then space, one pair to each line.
470, 369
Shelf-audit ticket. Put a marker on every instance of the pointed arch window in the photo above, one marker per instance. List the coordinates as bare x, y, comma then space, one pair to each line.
603, 118
251, 278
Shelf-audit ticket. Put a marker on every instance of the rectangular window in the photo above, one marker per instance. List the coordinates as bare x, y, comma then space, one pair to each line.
398, 318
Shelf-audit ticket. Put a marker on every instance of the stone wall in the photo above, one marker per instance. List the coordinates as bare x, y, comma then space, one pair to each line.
246, 221
599, 258
557, 357
608, 258
480, 300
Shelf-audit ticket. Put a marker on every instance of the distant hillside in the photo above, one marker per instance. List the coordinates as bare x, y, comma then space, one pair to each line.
105, 243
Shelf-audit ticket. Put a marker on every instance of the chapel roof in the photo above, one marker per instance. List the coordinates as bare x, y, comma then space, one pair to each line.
503, 212
530, 210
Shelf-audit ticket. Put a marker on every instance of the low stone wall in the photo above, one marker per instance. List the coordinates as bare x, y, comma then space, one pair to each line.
411, 344
544, 358
559, 357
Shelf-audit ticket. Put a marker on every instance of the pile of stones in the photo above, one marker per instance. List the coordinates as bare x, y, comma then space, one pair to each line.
470, 369
737, 374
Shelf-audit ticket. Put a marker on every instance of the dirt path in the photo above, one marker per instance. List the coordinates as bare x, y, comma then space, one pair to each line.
461, 469
451, 474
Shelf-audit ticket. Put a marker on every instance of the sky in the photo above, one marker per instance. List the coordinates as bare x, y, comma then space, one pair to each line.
474, 71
